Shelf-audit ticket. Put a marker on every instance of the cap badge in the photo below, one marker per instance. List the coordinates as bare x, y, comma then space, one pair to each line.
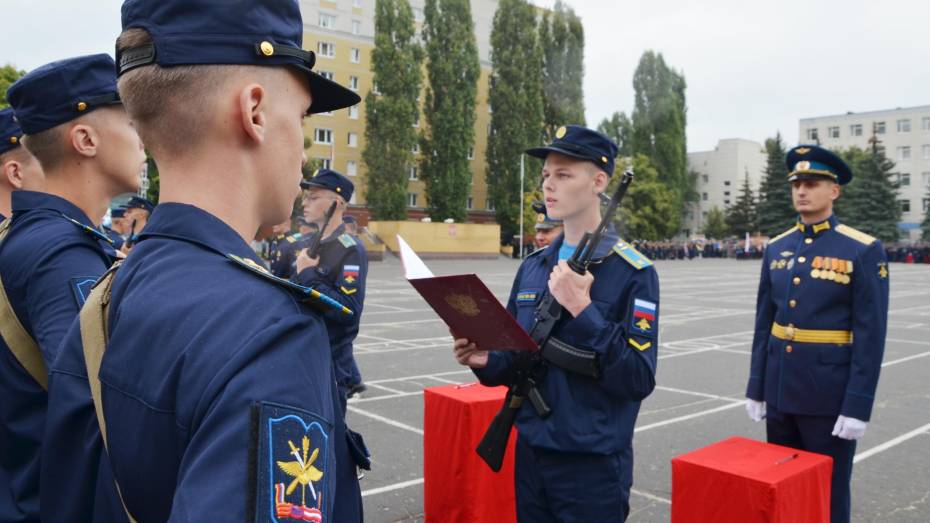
267, 48
802, 166
802, 150
561, 132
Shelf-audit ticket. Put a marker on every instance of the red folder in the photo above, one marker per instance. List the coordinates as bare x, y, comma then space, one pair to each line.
467, 306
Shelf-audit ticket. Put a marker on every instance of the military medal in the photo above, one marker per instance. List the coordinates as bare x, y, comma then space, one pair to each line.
816, 263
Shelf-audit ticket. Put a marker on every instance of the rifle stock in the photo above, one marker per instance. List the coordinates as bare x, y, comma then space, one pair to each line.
314, 249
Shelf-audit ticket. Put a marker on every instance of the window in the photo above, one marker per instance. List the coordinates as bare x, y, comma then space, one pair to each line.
327, 21
855, 129
833, 132
471, 153
411, 199
904, 153
323, 136
904, 126
925, 123
926, 177
353, 112
726, 193
489, 205
812, 135
357, 4
355, 55
905, 205
726, 202
879, 127
356, 27
325, 163
351, 168
904, 179
412, 173
926, 151
726, 183
353, 83
705, 178
704, 196
926, 204
353, 140
326, 74
470, 201
327, 49
417, 14
354, 199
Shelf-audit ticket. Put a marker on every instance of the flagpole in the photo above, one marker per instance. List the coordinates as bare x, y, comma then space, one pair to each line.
521, 207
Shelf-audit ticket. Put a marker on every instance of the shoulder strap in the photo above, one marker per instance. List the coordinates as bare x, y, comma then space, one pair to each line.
94, 337
17, 338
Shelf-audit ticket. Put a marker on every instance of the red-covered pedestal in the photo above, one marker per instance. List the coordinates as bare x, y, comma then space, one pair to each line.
457, 485
741, 480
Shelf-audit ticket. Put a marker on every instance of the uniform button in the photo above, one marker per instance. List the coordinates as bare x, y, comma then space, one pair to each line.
802, 259
793, 304
796, 280
788, 349
808, 240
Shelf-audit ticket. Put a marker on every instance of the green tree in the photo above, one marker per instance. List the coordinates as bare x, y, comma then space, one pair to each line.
390, 116
925, 225
453, 70
515, 94
8, 75
561, 36
870, 201
715, 225
741, 216
620, 129
648, 211
154, 180
775, 210
659, 120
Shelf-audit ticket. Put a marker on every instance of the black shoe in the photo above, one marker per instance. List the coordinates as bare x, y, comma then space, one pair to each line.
358, 388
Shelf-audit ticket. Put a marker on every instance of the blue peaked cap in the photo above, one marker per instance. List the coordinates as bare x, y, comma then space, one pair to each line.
582, 143
61, 91
10, 133
806, 162
228, 32
331, 180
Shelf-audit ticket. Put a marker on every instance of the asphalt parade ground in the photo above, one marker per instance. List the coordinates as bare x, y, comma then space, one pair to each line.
706, 320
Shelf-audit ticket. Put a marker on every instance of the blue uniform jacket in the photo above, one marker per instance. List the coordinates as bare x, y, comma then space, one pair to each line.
286, 250
621, 325
47, 263
217, 388
341, 274
820, 379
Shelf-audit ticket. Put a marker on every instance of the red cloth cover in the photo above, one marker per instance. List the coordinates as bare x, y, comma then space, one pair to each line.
741, 480
458, 486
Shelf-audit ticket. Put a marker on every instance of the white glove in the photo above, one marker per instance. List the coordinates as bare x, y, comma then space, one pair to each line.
849, 428
755, 409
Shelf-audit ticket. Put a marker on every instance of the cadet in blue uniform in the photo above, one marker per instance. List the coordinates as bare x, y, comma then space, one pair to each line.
52, 251
821, 319
339, 271
18, 168
219, 399
286, 249
577, 464
275, 242
114, 230
138, 210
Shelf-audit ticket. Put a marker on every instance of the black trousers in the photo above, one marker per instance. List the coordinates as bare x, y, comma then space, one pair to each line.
813, 434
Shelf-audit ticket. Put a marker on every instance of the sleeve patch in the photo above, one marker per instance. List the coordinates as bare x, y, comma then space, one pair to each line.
644, 319
296, 475
527, 296
641, 347
81, 288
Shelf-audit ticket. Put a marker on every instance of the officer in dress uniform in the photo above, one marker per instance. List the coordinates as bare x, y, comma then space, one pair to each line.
18, 168
821, 318
52, 251
138, 210
577, 463
274, 243
286, 250
218, 395
340, 271
547, 229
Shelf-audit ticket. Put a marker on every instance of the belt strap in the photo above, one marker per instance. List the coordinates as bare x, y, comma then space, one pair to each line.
572, 359
792, 333
94, 337
17, 338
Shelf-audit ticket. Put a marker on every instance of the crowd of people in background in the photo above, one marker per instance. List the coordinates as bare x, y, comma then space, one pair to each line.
909, 253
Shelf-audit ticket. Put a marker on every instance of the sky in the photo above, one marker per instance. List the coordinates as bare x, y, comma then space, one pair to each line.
753, 67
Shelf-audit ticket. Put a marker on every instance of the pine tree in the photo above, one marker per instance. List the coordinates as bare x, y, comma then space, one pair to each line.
775, 209
453, 70
619, 128
741, 216
659, 121
561, 36
389, 116
715, 226
870, 201
515, 94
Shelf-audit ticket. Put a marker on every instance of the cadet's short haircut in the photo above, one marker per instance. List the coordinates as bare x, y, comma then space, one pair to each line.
48, 147
16, 154
171, 106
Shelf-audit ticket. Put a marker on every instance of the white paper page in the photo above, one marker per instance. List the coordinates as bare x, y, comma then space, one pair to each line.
414, 268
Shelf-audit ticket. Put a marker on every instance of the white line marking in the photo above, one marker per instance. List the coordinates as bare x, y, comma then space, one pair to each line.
653, 497
383, 419
352, 401
693, 393
891, 443
907, 358
389, 488
688, 416
388, 389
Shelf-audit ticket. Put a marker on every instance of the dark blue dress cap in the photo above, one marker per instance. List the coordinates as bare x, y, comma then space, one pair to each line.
331, 180
61, 91
228, 32
10, 133
118, 212
582, 143
806, 162
138, 202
